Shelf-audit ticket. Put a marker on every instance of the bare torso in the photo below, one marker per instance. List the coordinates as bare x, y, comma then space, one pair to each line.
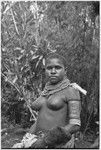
53, 112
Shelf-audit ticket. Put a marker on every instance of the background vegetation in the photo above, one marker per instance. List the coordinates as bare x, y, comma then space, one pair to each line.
29, 30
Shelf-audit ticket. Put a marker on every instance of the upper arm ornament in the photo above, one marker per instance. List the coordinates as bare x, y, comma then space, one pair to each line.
74, 106
74, 111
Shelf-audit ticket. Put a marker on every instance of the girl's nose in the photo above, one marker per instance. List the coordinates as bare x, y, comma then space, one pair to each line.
53, 71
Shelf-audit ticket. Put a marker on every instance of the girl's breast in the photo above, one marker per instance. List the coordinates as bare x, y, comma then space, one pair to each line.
55, 102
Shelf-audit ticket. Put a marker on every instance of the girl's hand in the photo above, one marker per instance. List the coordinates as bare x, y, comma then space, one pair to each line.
40, 143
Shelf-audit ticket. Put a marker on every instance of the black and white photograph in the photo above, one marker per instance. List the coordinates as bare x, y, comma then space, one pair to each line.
50, 64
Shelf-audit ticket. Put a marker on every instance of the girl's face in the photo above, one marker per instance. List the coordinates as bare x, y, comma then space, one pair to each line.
55, 70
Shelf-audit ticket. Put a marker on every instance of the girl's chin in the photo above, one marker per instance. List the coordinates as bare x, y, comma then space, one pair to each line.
53, 81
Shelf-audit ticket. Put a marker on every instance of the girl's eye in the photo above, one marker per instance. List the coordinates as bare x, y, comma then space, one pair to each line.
55, 67
49, 68
58, 67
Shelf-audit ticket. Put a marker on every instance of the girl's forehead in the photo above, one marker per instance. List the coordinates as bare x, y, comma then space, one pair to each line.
54, 61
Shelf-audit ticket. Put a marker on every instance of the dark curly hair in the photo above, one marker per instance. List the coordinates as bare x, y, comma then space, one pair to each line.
56, 55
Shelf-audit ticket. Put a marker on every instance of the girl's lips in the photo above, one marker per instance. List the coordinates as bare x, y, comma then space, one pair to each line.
53, 77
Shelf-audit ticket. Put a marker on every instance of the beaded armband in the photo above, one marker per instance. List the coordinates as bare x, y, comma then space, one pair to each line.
74, 111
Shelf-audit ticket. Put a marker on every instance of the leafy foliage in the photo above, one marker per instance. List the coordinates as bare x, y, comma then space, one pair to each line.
30, 30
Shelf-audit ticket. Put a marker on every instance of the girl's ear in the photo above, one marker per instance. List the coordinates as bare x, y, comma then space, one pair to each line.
65, 70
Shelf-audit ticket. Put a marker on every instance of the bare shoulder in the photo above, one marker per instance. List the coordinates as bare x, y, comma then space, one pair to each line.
72, 93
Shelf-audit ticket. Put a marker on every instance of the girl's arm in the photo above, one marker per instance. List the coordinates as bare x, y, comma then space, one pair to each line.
74, 106
36, 105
